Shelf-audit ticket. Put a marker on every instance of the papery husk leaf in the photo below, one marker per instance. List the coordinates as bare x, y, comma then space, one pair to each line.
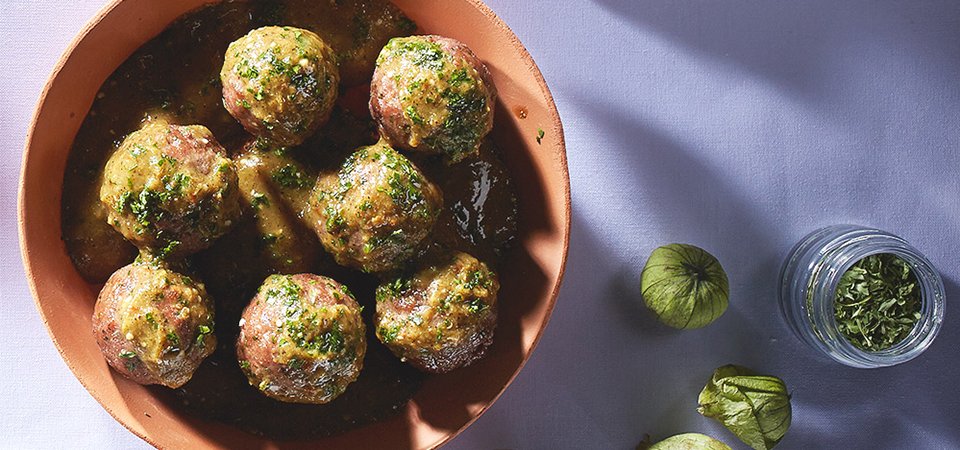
756, 408
689, 441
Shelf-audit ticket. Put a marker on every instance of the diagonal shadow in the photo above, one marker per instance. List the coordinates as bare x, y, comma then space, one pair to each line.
797, 45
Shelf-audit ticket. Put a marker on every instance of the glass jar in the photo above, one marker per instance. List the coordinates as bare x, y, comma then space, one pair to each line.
808, 283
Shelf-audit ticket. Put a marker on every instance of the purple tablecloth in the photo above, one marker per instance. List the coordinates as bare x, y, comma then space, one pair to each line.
737, 126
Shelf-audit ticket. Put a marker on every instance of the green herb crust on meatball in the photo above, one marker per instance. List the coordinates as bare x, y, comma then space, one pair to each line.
432, 94
374, 213
280, 83
302, 339
170, 189
154, 325
443, 316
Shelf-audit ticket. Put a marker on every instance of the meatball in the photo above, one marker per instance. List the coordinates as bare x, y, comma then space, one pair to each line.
375, 212
170, 189
442, 317
280, 83
432, 94
356, 29
154, 325
302, 339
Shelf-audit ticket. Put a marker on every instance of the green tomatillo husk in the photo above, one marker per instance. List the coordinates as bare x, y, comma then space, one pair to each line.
687, 441
685, 286
754, 407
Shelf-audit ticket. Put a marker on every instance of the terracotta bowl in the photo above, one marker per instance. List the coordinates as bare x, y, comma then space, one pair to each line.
446, 404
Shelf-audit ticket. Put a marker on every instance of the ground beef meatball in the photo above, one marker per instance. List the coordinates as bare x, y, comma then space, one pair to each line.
441, 316
356, 29
302, 339
170, 189
373, 214
280, 83
432, 94
154, 325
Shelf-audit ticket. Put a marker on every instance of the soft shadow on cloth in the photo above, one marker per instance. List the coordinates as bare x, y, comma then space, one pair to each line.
793, 43
653, 377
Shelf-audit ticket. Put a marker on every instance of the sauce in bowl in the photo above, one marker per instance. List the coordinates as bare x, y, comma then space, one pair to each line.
174, 78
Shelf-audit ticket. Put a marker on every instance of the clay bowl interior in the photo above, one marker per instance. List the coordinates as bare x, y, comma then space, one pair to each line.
446, 404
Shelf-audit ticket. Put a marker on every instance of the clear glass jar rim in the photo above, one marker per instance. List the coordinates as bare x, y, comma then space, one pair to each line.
931, 295
808, 282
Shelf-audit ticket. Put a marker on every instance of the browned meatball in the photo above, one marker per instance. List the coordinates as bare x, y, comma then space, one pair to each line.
280, 83
356, 29
374, 213
170, 189
302, 339
432, 94
443, 315
154, 325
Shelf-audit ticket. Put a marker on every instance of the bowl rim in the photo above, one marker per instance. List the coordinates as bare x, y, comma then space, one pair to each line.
555, 126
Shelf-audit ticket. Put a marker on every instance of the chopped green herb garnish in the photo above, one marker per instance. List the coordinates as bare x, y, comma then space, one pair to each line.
476, 305
377, 240
459, 76
877, 302
404, 182
418, 50
284, 292
335, 219
168, 249
173, 338
393, 289
202, 332
414, 116
174, 184
466, 118
257, 94
259, 199
166, 160
145, 206
245, 69
289, 176
539, 135
328, 341
388, 334
478, 278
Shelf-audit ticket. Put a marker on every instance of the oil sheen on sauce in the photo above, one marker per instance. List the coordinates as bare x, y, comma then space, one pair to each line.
174, 77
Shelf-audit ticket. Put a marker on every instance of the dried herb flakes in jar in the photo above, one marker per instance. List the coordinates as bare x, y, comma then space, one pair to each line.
877, 302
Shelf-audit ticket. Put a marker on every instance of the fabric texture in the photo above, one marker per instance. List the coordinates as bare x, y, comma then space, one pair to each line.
736, 126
